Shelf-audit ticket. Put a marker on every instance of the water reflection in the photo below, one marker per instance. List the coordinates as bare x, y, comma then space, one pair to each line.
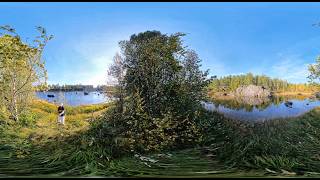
260, 109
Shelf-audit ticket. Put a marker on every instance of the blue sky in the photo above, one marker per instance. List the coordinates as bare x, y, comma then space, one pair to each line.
275, 39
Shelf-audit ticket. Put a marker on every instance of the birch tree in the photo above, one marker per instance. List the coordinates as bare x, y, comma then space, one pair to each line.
22, 69
117, 71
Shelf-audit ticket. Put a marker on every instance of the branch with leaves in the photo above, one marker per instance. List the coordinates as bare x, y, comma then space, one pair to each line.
21, 67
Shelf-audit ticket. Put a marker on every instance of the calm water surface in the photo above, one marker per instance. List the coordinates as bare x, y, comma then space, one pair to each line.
245, 109
73, 98
264, 110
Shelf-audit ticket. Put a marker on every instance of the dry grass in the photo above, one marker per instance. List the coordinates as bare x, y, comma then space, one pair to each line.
46, 126
306, 94
234, 149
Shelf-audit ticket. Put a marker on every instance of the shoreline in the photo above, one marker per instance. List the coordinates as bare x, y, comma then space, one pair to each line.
241, 135
221, 96
82, 105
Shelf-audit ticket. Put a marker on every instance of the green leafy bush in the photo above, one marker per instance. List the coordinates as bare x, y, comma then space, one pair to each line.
159, 95
27, 119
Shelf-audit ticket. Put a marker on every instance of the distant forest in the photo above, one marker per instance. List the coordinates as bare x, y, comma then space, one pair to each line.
78, 87
232, 82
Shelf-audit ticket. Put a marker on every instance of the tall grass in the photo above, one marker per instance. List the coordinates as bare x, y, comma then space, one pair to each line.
45, 147
229, 148
278, 145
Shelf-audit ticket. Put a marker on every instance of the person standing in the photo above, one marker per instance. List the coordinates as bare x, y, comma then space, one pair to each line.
61, 114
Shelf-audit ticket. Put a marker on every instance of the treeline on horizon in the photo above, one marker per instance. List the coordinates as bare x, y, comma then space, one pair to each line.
232, 82
78, 87
223, 84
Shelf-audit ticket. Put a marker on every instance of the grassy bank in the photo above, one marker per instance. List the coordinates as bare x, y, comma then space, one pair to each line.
33, 146
41, 121
282, 147
288, 93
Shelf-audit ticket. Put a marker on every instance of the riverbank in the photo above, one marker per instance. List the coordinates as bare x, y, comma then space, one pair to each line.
26, 148
278, 148
288, 145
294, 93
42, 119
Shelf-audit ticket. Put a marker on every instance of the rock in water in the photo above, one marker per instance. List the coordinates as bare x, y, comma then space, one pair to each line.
252, 91
288, 104
317, 95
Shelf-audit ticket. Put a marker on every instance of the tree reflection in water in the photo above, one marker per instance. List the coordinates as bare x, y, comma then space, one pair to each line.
249, 103
261, 109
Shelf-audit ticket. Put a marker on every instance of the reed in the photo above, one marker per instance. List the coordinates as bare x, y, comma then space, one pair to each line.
277, 148
281, 145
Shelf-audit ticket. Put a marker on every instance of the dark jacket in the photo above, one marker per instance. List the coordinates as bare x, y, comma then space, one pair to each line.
61, 109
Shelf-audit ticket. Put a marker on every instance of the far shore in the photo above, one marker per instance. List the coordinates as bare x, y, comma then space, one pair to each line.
294, 93
228, 96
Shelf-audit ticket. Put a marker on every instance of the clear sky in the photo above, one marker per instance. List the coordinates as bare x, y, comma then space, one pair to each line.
275, 39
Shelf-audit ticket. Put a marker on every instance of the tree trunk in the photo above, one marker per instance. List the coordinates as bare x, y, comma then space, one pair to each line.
121, 101
14, 106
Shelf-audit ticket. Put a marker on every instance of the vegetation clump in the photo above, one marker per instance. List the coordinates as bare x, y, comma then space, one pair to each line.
21, 70
160, 89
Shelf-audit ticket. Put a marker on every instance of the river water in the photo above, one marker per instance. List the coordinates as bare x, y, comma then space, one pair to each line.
263, 109
240, 109
73, 98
